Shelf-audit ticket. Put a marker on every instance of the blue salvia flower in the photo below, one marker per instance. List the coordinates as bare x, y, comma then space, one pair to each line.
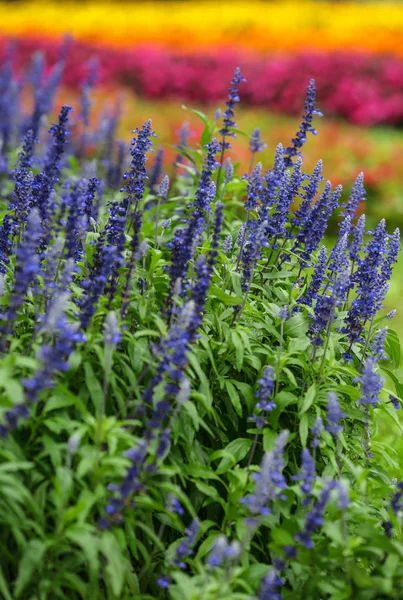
254, 188
183, 141
391, 314
228, 115
395, 401
112, 334
334, 415
116, 225
296, 180
272, 179
228, 170
35, 70
8, 229
370, 291
316, 280
251, 252
371, 383
240, 236
218, 553
132, 482
357, 195
135, 179
305, 127
156, 171
22, 195
396, 502
173, 505
308, 194
44, 182
277, 222
375, 250
358, 237
137, 251
164, 582
315, 517
227, 244
270, 586
25, 157
94, 286
76, 222
378, 345
164, 187
26, 267
338, 256
314, 228
288, 192
182, 248
185, 548
54, 357
172, 361
316, 432
343, 496
60, 135
326, 305
44, 95
204, 271
255, 142
345, 227
215, 241
270, 482
50, 267
202, 197
163, 443
307, 476
391, 256
264, 395
7, 93
86, 88
89, 196
200, 288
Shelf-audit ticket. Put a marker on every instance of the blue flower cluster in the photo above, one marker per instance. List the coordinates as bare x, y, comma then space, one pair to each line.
229, 115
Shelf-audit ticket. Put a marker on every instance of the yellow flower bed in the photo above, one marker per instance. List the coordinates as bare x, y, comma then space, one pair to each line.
261, 26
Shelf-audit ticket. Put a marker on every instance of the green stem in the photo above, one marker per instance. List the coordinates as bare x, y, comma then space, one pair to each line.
157, 219
328, 331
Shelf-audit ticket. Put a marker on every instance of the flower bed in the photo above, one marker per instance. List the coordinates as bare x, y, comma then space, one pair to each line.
190, 382
362, 88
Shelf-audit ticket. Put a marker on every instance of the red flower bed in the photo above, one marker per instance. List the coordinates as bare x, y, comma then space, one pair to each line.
362, 88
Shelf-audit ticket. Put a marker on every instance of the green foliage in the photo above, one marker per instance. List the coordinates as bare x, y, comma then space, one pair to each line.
55, 468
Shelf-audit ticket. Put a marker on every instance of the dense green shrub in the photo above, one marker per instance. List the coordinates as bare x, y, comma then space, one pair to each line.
189, 384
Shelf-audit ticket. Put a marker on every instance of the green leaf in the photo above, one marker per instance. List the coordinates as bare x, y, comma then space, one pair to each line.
308, 399
234, 397
237, 449
304, 429
31, 564
281, 537
82, 536
198, 113
239, 349
4, 589
115, 562
296, 326
93, 385
392, 347
227, 299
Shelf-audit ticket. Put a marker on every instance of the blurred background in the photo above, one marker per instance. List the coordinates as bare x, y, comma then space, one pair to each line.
145, 60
